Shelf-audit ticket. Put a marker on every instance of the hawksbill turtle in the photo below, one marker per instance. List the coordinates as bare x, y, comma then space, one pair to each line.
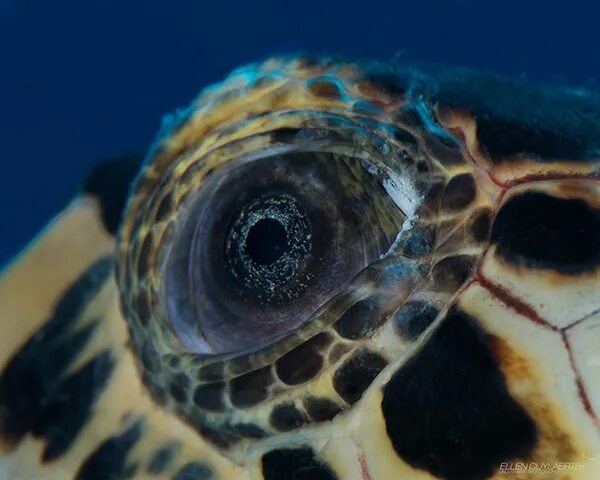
322, 270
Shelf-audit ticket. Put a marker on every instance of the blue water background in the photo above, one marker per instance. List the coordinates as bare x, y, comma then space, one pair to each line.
87, 79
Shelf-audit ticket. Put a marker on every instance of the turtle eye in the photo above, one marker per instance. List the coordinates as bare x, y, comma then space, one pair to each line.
264, 242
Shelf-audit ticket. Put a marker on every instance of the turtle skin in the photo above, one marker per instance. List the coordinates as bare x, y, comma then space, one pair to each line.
452, 328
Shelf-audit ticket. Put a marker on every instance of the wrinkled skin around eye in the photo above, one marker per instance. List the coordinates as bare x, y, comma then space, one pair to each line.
266, 242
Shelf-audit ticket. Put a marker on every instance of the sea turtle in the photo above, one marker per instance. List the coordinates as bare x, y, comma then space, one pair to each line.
325, 270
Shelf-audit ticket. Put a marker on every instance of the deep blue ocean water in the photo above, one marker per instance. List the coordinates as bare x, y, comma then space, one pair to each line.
85, 80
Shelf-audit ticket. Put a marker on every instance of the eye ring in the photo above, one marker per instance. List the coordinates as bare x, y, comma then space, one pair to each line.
148, 239
276, 217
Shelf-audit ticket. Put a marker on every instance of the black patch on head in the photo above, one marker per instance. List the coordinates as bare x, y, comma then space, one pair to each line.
502, 137
303, 362
459, 192
540, 231
210, 396
251, 388
295, 464
447, 410
162, 458
361, 319
194, 471
450, 273
109, 460
515, 119
109, 182
356, 374
35, 376
321, 409
287, 417
414, 318
69, 408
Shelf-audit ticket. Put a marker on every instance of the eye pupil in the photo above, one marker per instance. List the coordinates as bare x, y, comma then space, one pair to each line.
266, 241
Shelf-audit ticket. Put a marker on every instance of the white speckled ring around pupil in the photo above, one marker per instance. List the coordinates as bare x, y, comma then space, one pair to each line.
268, 243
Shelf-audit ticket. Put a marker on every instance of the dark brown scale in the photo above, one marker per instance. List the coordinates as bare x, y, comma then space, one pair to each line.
287, 417
431, 203
303, 362
362, 319
450, 273
325, 88
422, 167
405, 138
356, 374
459, 192
212, 372
182, 379
178, 392
387, 83
145, 256
418, 241
165, 208
174, 361
413, 319
240, 365
321, 409
210, 396
480, 225
251, 388
191, 173
284, 135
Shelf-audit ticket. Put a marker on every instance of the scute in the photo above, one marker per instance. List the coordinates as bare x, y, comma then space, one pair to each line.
448, 411
538, 230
